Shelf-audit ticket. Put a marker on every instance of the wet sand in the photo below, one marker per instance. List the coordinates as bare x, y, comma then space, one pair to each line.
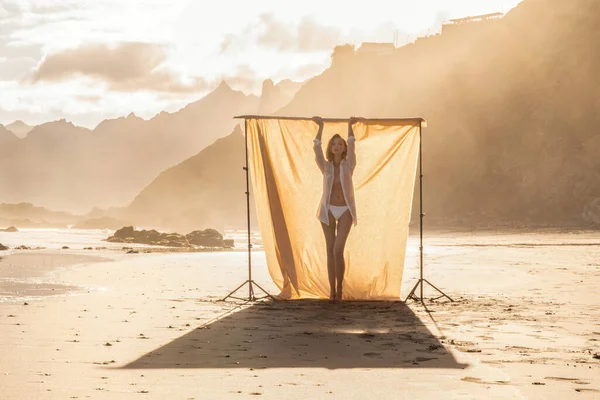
29, 275
525, 323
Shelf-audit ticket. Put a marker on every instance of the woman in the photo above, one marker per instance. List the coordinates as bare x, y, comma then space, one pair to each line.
337, 210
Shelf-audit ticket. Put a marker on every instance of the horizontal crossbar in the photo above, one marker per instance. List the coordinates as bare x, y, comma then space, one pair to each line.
415, 119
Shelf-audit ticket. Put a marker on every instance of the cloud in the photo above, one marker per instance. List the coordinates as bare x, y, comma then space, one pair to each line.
305, 36
17, 58
312, 36
93, 99
276, 34
269, 32
15, 68
55, 8
8, 7
113, 64
308, 71
125, 67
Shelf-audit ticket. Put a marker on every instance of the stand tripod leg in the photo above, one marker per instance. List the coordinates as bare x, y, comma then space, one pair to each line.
439, 291
251, 293
234, 290
264, 291
413, 296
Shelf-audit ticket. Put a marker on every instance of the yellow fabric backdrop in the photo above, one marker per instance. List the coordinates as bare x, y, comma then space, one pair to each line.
287, 187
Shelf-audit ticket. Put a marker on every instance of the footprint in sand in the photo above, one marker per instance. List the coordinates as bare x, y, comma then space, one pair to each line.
573, 380
478, 380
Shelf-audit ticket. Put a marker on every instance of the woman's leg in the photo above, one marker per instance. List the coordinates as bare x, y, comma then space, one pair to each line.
343, 229
329, 231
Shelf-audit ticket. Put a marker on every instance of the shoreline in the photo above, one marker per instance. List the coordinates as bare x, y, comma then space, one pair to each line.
36, 274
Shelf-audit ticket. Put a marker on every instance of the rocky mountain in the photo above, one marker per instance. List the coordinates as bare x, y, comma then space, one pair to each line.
275, 96
19, 128
511, 106
63, 167
45, 166
204, 191
25, 215
6, 136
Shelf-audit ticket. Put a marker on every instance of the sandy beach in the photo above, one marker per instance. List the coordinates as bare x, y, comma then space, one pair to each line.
525, 324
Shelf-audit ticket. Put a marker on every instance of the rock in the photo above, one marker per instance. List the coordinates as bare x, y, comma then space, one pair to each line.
9, 229
152, 237
65, 247
205, 238
22, 247
125, 232
591, 212
208, 238
174, 239
3, 247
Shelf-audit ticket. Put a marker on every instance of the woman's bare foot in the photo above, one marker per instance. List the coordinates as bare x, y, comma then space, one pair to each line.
338, 294
332, 296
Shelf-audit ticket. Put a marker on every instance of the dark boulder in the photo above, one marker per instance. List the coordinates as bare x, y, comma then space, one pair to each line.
205, 238
208, 238
125, 232
150, 237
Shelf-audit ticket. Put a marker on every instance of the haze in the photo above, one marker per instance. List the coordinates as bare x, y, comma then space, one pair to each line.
91, 60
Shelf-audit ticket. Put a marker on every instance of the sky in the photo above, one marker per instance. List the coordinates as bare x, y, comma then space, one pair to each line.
88, 60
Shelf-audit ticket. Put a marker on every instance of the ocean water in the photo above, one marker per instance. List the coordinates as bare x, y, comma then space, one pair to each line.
77, 239
436, 243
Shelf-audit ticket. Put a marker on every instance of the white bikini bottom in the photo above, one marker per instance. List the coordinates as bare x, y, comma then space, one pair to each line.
337, 211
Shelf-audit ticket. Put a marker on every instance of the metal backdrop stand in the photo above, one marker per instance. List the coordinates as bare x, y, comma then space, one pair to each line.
419, 284
249, 281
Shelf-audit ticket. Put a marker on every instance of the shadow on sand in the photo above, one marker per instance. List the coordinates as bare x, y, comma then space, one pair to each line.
307, 334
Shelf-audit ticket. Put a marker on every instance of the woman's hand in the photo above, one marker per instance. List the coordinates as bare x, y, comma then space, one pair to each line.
319, 122
351, 121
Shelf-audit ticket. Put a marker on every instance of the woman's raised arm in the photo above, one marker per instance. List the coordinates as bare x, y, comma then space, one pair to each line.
351, 154
319, 157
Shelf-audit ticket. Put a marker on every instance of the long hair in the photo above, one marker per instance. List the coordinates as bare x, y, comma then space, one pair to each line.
329, 153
